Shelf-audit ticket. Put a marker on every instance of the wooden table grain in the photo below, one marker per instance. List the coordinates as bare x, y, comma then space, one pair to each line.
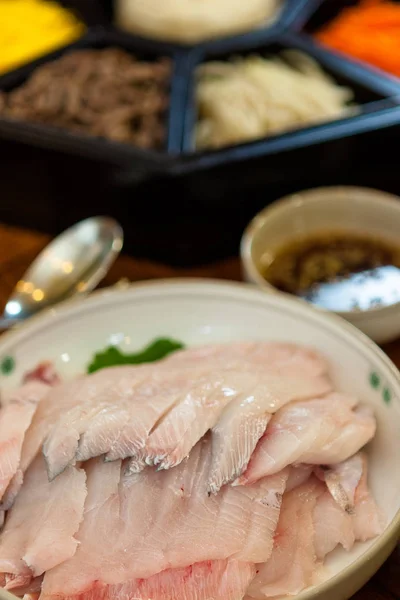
18, 248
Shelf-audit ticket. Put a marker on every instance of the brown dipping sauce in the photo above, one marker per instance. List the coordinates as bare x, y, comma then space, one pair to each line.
338, 271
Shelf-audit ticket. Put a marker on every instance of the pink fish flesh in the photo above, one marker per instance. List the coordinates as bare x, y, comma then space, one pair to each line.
217, 580
15, 419
154, 521
293, 561
244, 420
40, 527
321, 431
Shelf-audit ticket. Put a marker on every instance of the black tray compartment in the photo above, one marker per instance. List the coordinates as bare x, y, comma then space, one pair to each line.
374, 92
125, 156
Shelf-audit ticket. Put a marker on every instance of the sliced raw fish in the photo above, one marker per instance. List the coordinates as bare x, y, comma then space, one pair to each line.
106, 419
81, 402
346, 512
34, 587
298, 475
200, 410
244, 420
58, 400
294, 360
153, 521
368, 519
332, 526
15, 418
342, 480
322, 431
219, 580
293, 561
354, 436
40, 527
152, 400
60, 447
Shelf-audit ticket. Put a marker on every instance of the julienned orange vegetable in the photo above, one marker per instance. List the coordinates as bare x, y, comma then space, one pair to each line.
369, 31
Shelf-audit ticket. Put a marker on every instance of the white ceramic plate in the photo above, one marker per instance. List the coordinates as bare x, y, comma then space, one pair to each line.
199, 312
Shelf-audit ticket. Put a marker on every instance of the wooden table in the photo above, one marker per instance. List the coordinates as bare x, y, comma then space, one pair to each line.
18, 248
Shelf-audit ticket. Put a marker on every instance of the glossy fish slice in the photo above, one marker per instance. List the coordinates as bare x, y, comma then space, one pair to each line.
294, 360
219, 580
40, 527
292, 564
15, 419
159, 520
90, 397
321, 431
244, 420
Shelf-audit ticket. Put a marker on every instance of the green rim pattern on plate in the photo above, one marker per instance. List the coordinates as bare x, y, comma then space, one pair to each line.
7, 365
375, 381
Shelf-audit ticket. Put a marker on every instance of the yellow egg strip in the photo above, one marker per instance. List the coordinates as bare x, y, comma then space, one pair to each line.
32, 28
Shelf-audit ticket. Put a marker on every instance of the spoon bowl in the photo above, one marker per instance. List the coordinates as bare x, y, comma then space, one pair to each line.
73, 264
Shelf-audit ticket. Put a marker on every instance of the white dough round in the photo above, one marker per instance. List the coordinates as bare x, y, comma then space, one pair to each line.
192, 21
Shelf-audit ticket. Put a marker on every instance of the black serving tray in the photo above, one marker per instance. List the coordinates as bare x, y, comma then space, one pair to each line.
185, 207
114, 153
377, 93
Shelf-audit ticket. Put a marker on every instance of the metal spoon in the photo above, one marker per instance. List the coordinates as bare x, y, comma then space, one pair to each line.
73, 264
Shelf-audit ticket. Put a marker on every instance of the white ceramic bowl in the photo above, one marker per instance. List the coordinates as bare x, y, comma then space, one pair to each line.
199, 312
351, 209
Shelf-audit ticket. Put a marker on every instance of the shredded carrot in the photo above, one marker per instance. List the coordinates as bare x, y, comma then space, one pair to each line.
369, 31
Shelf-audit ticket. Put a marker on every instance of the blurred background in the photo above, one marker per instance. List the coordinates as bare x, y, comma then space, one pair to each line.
167, 165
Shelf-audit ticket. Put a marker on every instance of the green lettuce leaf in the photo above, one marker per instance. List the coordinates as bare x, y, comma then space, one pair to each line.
111, 357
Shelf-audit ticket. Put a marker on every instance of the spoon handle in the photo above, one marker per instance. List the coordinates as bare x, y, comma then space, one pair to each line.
6, 323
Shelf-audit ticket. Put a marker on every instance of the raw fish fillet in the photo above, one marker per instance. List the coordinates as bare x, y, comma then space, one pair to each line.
332, 525
321, 431
152, 400
298, 475
342, 480
244, 420
15, 418
293, 561
346, 512
294, 360
153, 521
110, 417
40, 527
216, 580
58, 400
251, 394
352, 438
80, 404
368, 520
